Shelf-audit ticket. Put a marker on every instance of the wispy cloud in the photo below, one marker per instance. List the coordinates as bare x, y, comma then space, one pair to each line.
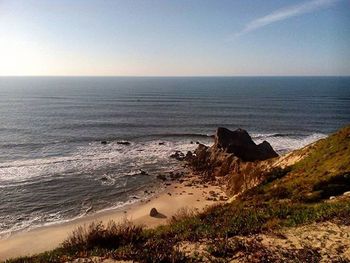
285, 13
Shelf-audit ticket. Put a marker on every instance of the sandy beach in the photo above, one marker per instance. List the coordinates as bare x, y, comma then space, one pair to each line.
189, 193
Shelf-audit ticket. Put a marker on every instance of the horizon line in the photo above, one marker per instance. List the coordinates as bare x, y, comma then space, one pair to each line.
169, 76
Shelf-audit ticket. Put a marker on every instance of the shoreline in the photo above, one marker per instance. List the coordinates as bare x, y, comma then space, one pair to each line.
189, 193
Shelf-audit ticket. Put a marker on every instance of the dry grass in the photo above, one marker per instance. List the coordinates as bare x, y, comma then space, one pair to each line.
183, 214
96, 235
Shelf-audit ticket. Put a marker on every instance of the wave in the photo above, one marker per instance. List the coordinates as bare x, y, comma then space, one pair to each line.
268, 135
94, 158
284, 143
38, 145
35, 221
122, 125
12, 224
92, 167
176, 135
91, 156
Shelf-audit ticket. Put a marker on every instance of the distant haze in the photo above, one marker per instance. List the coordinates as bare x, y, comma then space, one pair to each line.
174, 38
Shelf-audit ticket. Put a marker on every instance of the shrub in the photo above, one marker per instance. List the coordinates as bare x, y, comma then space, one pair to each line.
334, 185
276, 173
182, 214
96, 235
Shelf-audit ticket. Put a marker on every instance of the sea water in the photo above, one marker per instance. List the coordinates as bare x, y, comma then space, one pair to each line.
54, 168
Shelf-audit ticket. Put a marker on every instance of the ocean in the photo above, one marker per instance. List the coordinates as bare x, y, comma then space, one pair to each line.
53, 167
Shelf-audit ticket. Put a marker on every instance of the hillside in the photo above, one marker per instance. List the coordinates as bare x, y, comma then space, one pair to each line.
300, 202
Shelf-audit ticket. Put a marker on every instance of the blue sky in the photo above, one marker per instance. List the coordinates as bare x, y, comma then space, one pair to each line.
175, 38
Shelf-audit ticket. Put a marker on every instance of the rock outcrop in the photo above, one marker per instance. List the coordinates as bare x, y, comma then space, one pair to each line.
234, 158
240, 144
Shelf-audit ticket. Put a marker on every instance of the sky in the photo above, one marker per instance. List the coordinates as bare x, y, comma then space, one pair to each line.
174, 37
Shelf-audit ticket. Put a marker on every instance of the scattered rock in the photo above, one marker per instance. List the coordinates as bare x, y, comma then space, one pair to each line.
142, 172
332, 197
161, 143
175, 175
178, 155
221, 198
153, 212
104, 179
347, 193
161, 177
201, 151
188, 156
104, 142
123, 142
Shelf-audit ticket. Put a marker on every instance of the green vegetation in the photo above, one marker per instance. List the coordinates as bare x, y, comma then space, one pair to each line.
223, 249
288, 197
324, 172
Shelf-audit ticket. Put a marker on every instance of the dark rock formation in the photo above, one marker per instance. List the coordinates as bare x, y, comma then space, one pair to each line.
161, 177
240, 144
104, 179
178, 155
233, 159
142, 172
153, 212
123, 142
188, 156
201, 150
104, 142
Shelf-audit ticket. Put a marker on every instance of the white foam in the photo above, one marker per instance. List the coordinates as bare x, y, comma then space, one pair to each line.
40, 219
92, 157
123, 160
89, 158
284, 144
